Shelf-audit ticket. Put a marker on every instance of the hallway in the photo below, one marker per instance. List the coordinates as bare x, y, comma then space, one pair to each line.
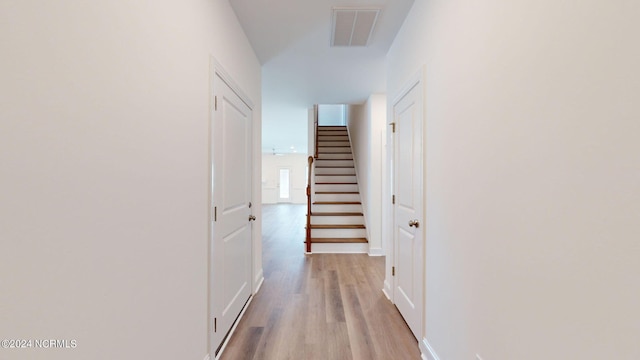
321, 306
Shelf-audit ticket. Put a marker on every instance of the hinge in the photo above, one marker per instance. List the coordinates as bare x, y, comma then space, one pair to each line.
393, 127
393, 199
215, 213
393, 271
215, 107
215, 324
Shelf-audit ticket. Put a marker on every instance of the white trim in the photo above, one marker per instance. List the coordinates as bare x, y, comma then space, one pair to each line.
233, 328
427, 350
258, 281
207, 357
387, 290
376, 251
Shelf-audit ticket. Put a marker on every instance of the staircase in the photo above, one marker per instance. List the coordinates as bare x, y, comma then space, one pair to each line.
336, 221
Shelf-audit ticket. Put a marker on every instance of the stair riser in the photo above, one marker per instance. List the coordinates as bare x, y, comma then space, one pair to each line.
335, 157
337, 208
323, 143
336, 179
337, 220
320, 162
325, 134
334, 187
338, 233
341, 149
333, 137
332, 128
336, 197
345, 171
340, 248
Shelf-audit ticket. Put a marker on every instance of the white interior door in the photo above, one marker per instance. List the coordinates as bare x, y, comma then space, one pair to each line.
284, 185
408, 227
231, 209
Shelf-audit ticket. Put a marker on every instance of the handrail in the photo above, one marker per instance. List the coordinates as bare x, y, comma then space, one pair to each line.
308, 235
315, 130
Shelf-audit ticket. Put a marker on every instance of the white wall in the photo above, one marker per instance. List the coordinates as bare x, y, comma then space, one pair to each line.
532, 175
104, 173
271, 165
331, 114
367, 131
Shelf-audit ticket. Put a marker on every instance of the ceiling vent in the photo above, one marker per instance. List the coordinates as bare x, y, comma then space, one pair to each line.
353, 26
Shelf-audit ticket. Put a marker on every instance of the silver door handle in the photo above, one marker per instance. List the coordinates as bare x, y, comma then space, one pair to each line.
252, 218
414, 222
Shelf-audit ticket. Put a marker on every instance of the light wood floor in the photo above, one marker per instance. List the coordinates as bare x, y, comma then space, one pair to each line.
321, 306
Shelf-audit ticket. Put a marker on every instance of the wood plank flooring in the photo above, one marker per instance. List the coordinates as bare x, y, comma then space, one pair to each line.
320, 306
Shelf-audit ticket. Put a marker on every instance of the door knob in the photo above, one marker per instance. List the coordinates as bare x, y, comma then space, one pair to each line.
252, 218
414, 222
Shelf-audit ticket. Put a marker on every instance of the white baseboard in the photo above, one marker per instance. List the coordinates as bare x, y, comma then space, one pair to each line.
258, 281
387, 290
376, 252
427, 350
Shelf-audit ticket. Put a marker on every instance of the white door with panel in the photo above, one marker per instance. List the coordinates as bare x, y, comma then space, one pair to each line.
408, 226
284, 185
231, 248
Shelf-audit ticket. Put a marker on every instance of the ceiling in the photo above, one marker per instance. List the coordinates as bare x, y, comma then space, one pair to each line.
292, 39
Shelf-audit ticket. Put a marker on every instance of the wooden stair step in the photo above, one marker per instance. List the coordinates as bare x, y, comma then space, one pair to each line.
337, 226
335, 174
337, 214
339, 240
334, 167
337, 203
336, 192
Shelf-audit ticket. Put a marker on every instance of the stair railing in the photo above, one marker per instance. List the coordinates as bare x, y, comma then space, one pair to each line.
308, 235
310, 179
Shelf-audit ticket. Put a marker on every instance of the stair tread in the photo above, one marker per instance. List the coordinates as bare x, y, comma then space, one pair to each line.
339, 240
316, 213
335, 174
337, 226
337, 203
336, 192
335, 167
